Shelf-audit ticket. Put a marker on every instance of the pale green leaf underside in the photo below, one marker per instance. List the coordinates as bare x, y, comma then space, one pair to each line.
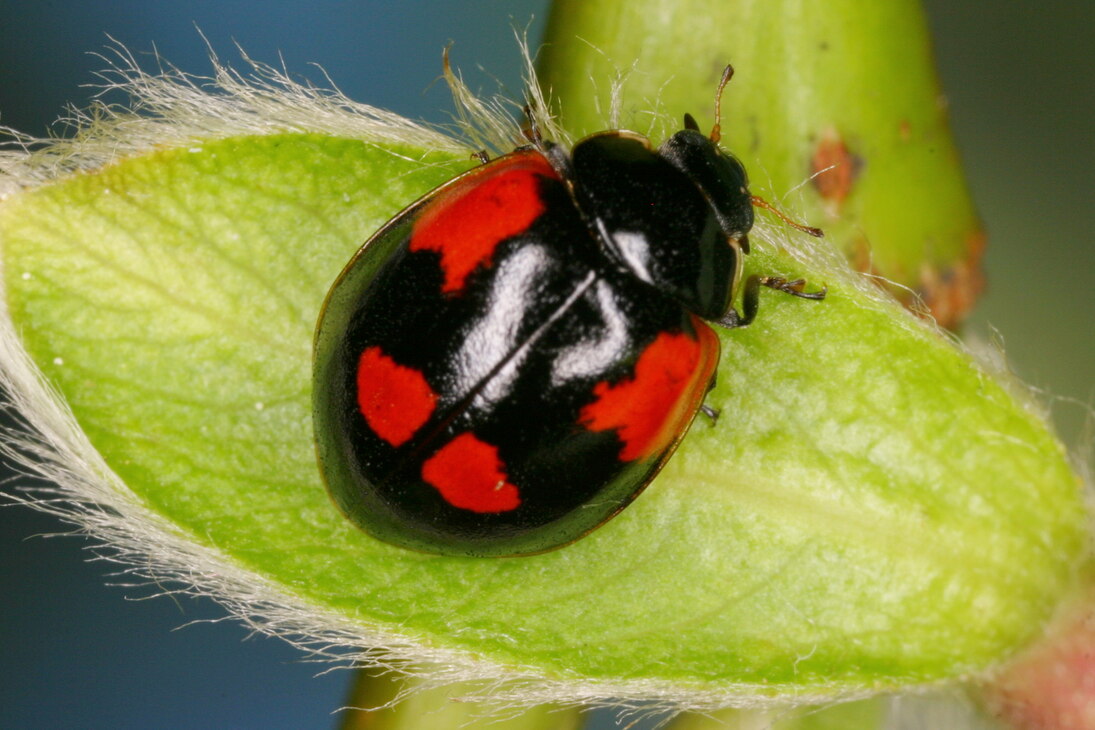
870, 509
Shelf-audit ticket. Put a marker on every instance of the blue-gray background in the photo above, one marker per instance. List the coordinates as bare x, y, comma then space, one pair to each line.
76, 653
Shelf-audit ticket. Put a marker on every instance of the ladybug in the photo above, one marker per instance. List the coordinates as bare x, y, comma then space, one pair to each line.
510, 360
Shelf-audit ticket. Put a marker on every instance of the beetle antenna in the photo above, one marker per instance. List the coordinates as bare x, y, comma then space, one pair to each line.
762, 203
716, 131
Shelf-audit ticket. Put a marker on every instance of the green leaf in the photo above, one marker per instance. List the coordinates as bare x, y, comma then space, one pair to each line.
871, 510
841, 84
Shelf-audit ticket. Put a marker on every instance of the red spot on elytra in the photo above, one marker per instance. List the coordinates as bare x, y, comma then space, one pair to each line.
649, 409
469, 474
466, 223
395, 400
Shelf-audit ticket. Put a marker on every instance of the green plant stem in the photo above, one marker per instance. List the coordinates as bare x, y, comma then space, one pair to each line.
834, 108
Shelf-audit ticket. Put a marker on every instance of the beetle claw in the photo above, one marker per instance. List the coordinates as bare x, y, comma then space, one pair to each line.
796, 288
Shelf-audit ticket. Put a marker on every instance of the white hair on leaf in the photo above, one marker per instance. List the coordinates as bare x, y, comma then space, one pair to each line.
172, 108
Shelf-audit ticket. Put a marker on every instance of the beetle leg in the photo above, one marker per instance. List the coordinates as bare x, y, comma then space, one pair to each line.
751, 297
796, 288
711, 412
482, 156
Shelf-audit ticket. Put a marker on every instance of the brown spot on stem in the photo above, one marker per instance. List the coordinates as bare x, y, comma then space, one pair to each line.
949, 293
832, 170
945, 293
